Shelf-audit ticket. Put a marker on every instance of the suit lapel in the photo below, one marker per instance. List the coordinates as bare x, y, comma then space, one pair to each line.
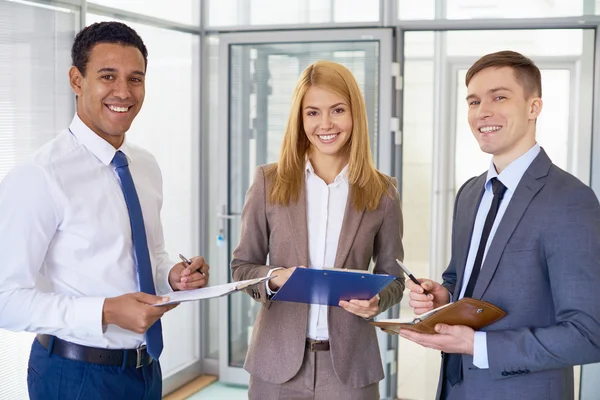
299, 227
528, 187
350, 225
466, 222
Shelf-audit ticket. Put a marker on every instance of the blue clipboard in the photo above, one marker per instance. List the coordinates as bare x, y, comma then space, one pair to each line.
328, 287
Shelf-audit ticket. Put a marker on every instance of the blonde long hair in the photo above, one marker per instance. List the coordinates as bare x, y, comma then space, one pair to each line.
367, 184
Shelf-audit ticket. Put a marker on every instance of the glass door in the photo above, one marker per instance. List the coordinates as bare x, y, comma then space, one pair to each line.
259, 81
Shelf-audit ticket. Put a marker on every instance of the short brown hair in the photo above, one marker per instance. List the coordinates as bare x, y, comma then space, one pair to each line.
526, 72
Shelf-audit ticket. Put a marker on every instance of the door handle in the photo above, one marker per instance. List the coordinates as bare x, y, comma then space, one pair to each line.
225, 216
229, 216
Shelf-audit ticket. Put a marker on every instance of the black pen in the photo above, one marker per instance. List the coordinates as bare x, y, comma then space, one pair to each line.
411, 276
189, 262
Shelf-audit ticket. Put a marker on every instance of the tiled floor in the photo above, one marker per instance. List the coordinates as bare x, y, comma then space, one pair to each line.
219, 391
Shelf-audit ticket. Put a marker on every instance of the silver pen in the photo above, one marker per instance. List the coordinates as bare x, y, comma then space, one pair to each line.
411, 276
189, 262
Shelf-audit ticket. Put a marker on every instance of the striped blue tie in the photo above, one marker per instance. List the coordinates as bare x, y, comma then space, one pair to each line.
154, 340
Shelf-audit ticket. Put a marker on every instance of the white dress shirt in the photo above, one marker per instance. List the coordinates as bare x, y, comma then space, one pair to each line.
65, 238
510, 177
325, 208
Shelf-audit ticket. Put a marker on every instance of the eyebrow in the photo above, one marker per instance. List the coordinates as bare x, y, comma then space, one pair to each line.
101, 70
333, 106
491, 91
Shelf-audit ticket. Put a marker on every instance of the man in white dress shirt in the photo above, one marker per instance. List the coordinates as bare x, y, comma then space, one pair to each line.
81, 238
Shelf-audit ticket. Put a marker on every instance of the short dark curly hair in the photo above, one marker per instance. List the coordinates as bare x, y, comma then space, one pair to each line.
104, 32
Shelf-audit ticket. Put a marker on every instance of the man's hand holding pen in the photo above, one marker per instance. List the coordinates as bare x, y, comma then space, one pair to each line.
189, 274
436, 296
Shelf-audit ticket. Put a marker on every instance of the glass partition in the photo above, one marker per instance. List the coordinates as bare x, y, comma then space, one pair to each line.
491, 9
290, 12
181, 11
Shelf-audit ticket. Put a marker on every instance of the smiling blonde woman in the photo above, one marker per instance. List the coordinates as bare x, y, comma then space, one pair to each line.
322, 204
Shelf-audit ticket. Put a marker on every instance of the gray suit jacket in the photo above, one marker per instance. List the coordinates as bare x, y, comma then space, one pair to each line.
278, 339
543, 269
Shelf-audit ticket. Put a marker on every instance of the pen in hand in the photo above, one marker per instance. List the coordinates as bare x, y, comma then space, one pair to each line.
189, 262
411, 276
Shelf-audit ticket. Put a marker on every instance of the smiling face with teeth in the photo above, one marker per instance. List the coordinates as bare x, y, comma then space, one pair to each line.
501, 116
111, 91
327, 123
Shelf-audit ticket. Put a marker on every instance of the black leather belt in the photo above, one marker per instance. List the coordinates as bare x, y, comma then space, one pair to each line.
133, 358
317, 345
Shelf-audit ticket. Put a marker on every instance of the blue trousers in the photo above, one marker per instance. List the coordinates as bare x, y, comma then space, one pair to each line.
52, 377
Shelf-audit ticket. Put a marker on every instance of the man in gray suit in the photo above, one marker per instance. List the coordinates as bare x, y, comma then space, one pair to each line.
526, 237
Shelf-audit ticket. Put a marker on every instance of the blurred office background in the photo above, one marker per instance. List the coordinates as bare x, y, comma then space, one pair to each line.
219, 84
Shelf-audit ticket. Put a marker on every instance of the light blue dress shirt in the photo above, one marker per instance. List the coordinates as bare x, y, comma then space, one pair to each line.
510, 177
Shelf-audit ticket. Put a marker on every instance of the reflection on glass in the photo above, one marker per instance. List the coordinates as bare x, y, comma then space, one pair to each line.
416, 9
532, 42
419, 44
490, 9
472, 9
277, 12
417, 163
182, 11
262, 80
356, 10
36, 103
211, 329
415, 377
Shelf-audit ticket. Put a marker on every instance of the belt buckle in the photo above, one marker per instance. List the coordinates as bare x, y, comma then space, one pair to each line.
139, 357
313, 343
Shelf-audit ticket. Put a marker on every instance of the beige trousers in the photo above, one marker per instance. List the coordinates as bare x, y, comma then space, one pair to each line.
316, 380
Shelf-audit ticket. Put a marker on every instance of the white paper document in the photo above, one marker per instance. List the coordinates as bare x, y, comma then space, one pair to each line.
412, 318
210, 292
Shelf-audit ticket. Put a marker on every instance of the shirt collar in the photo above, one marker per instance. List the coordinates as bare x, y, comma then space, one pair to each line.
512, 174
342, 176
99, 147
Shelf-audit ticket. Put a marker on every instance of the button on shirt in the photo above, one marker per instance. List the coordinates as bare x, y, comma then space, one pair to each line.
325, 208
510, 177
65, 238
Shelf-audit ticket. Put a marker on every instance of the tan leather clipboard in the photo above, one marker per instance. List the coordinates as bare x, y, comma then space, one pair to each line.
466, 311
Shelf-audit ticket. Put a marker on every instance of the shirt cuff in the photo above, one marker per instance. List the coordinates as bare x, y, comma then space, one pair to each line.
269, 291
87, 316
480, 353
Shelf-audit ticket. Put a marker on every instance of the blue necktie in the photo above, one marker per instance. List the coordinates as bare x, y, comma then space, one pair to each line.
154, 341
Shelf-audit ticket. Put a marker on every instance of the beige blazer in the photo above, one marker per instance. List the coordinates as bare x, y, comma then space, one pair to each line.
278, 339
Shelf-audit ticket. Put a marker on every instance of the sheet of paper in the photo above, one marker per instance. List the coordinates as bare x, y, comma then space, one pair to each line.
413, 317
402, 320
209, 292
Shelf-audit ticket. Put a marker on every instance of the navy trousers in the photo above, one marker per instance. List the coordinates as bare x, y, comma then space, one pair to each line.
52, 377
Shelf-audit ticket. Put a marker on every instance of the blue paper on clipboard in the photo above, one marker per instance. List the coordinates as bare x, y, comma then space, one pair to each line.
328, 286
